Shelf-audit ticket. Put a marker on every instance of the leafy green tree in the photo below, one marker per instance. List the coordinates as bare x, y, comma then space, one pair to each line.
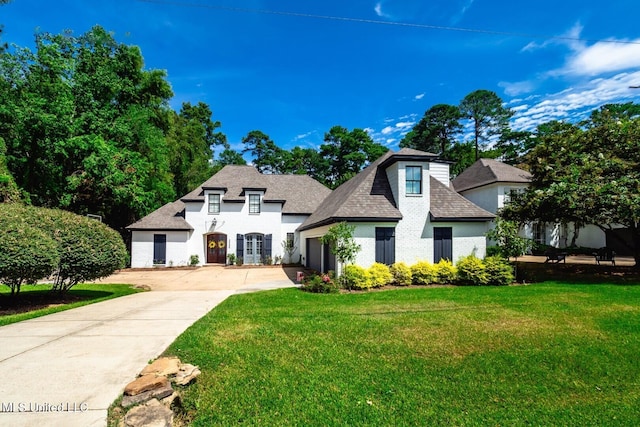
85, 125
437, 130
512, 145
267, 156
305, 161
342, 244
505, 235
345, 153
9, 191
463, 156
588, 175
228, 156
191, 136
489, 117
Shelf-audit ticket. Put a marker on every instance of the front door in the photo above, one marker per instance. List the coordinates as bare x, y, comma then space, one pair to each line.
253, 249
216, 248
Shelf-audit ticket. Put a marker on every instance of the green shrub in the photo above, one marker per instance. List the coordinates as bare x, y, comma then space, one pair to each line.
499, 271
423, 273
194, 260
356, 277
380, 275
493, 251
320, 284
446, 271
28, 254
401, 274
471, 271
87, 249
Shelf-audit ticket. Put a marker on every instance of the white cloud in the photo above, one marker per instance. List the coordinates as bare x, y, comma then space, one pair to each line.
577, 102
380, 12
603, 57
463, 10
419, 97
303, 136
517, 88
387, 130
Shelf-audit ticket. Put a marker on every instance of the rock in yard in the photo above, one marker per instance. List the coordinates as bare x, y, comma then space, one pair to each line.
145, 383
164, 366
186, 374
151, 414
158, 393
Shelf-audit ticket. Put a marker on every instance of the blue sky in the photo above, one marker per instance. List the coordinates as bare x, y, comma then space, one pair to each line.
293, 74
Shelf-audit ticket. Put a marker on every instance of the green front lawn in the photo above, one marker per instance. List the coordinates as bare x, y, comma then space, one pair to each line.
547, 354
38, 300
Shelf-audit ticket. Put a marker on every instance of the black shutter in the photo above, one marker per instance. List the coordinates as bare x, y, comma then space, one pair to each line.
240, 245
267, 244
385, 245
442, 243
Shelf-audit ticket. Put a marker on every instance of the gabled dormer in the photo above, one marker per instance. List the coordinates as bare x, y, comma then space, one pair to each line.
408, 172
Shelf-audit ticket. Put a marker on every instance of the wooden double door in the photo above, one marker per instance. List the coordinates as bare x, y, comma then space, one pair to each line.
216, 248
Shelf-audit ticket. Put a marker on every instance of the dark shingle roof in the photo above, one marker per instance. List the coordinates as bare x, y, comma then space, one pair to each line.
366, 196
168, 217
447, 205
299, 195
489, 171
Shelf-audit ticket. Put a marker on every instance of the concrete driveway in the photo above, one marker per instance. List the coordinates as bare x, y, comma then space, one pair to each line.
65, 369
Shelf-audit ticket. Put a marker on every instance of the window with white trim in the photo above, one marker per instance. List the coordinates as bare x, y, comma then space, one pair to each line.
214, 203
254, 203
414, 179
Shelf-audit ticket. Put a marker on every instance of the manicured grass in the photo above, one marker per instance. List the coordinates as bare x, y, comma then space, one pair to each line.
36, 301
547, 354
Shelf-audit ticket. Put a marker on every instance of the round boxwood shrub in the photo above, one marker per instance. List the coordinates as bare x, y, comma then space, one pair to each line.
499, 271
28, 254
423, 273
85, 249
446, 271
380, 275
356, 277
401, 274
471, 271
89, 250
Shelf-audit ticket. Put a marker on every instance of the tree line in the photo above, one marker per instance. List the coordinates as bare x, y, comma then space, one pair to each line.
84, 127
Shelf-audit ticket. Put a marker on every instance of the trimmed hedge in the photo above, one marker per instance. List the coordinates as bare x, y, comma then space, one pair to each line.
28, 254
401, 274
424, 273
380, 275
85, 249
356, 277
446, 272
472, 271
499, 271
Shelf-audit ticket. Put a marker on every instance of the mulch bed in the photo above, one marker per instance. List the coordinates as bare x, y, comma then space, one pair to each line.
31, 301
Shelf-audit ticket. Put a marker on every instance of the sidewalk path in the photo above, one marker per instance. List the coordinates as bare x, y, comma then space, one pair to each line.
80, 360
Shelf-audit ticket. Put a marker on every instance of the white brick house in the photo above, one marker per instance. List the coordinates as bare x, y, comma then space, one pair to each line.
403, 210
489, 184
401, 205
237, 211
